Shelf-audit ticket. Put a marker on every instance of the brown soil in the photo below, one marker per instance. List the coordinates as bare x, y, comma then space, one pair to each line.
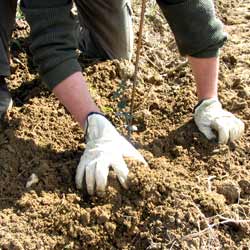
190, 183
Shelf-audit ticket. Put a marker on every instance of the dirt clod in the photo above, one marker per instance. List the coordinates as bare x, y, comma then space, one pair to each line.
230, 190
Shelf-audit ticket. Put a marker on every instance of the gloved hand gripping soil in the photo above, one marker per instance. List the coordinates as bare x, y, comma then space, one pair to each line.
210, 115
105, 147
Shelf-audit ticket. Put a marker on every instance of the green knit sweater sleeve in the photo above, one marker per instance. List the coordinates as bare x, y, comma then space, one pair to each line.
53, 39
197, 30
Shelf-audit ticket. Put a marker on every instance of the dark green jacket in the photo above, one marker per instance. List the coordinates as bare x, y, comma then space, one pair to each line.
197, 30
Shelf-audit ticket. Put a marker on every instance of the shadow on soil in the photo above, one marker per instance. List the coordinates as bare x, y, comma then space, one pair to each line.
19, 158
186, 137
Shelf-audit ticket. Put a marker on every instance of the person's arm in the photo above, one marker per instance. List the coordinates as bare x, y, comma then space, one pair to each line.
205, 71
53, 48
209, 114
74, 95
105, 147
201, 39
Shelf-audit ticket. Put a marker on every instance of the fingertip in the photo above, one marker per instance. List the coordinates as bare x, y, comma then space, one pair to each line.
100, 194
222, 129
121, 170
90, 179
235, 133
145, 163
131, 152
242, 127
142, 160
101, 175
123, 182
90, 191
207, 132
223, 137
236, 130
79, 175
78, 183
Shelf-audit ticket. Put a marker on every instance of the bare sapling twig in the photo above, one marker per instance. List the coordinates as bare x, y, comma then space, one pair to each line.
139, 44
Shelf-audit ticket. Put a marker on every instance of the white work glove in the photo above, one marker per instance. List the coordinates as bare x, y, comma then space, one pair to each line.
210, 115
105, 147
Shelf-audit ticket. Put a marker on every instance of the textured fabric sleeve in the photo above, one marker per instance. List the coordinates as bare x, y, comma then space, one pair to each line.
197, 30
53, 39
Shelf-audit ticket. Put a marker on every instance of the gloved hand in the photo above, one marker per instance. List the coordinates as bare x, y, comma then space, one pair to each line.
210, 115
105, 147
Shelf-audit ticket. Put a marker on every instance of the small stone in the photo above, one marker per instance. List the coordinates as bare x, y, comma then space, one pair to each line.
73, 198
245, 92
103, 218
158, 223
10, 149
32, 180
155, 79
110, 227
125, 69
132, 128
211, 202
177, 151
178, 222
15, 245
85, 218
245, 186
230, 191
171, 219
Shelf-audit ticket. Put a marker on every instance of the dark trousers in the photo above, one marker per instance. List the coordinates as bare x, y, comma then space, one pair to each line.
7, 20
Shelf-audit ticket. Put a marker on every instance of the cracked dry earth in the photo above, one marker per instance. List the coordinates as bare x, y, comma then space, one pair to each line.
195, 194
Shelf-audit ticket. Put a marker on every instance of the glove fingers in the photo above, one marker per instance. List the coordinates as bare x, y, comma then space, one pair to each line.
242, 127
230, 129
223, 135
101, 175
130, 152
223, 130
236, 130
123, 182
80, 173
90, 177
207, 131
121, 170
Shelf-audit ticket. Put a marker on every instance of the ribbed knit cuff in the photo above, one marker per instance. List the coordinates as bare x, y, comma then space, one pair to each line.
207, 53
61, 72
213, 51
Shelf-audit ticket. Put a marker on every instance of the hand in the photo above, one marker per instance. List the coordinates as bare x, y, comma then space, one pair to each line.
210, 115
105, 147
